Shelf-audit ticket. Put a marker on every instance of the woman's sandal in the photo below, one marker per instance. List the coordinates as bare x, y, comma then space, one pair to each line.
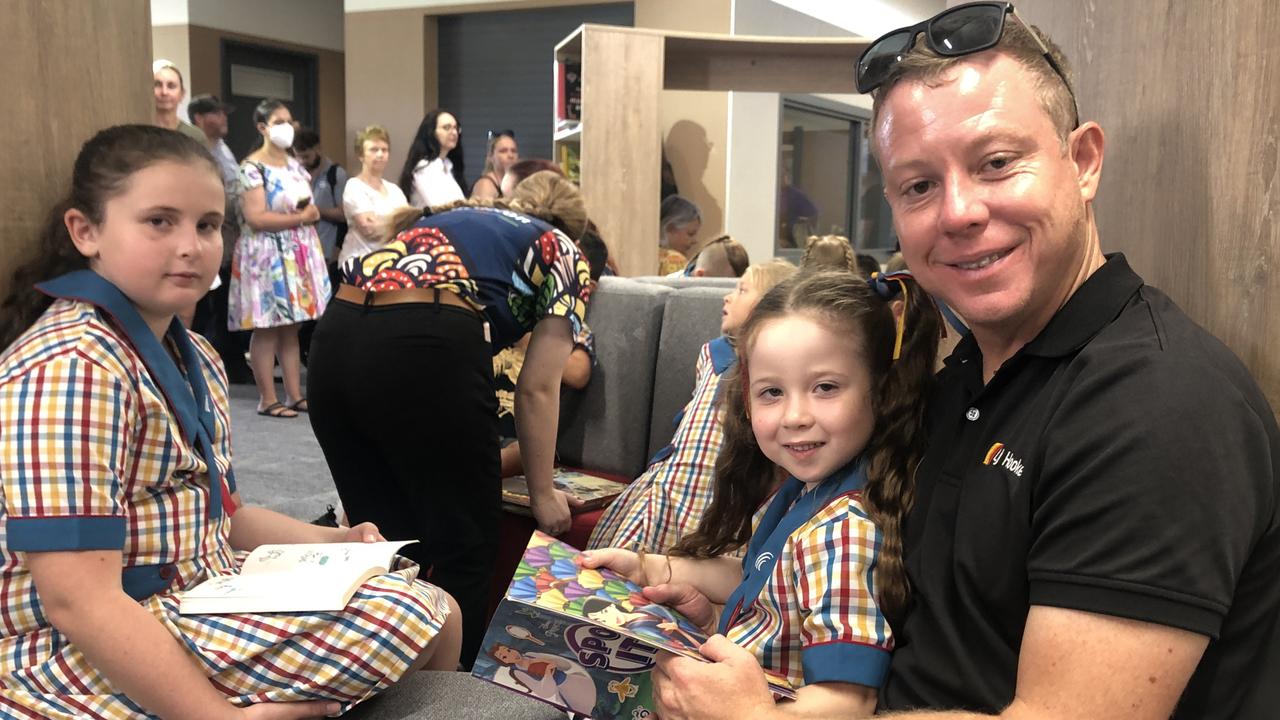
300, 406
278, 410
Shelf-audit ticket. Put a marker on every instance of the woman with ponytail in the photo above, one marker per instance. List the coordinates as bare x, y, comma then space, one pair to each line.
828, 391
401, 375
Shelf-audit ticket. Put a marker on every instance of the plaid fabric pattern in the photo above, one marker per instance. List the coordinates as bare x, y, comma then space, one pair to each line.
668, 499
88, 441
817, 616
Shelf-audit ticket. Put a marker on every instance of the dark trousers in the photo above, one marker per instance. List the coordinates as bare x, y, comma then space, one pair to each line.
211, 321
402, 403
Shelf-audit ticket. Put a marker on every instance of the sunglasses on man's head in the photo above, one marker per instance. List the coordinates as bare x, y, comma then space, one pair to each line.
502, 133
961, 30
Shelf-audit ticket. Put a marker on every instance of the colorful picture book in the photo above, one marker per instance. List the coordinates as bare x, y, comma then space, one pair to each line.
583, 640
594, 491
303, 577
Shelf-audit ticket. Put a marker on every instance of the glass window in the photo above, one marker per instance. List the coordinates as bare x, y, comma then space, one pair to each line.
828, 183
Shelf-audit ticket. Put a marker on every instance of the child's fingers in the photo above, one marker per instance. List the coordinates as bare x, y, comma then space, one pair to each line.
718, 648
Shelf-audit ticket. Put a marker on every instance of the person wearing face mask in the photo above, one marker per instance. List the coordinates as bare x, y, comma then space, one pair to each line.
278, 274
169, 91
433, 170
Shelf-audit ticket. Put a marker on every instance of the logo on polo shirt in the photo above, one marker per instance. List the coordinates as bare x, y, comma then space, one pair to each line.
762, 559
1000, 456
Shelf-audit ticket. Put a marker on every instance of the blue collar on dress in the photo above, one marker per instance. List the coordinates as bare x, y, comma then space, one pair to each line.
722, 354
786, 513
188, 398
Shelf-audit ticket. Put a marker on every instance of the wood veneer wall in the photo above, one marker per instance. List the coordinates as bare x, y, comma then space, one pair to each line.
1188, 94
71, 68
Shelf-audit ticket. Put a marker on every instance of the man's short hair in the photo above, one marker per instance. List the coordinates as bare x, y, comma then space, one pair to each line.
920, 64
305, 139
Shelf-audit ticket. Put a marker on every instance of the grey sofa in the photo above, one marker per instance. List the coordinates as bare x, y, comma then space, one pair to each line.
648, 332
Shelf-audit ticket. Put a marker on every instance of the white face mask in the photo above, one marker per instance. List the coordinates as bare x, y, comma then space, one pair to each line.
281, 135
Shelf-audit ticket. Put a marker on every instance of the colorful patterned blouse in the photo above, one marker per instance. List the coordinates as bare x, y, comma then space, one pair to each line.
514, 268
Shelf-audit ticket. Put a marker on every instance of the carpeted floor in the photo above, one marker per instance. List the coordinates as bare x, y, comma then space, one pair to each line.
278, 463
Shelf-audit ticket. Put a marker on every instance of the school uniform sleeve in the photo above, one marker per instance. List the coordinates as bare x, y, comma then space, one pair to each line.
845, 637
561, 278
64, 447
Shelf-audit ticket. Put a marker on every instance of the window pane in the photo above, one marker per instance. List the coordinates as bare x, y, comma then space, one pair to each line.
814, 193
875, 224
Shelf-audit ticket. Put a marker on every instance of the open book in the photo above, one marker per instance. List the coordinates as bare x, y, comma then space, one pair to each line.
306, 577
583, 640
593, 490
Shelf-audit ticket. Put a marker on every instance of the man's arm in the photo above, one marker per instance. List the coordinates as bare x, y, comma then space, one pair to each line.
1072, 665
1077, 664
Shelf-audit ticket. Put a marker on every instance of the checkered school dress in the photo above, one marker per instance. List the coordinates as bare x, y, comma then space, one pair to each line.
91, 456
666, 502
816, 619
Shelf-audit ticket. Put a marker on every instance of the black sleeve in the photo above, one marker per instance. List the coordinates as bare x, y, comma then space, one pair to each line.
1152, 493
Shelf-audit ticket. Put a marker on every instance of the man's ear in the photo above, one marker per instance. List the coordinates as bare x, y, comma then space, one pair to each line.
1086, 145
84, 234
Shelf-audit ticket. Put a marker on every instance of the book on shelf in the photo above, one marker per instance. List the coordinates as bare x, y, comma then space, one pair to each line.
303, 577
593, 491
568, 90
583, 640
569, 163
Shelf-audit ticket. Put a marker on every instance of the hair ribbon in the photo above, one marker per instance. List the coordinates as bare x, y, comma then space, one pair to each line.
884, 286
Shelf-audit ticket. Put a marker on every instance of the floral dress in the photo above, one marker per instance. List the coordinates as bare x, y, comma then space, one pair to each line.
277, 277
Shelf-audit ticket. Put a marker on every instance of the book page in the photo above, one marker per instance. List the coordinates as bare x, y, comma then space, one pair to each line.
336, 559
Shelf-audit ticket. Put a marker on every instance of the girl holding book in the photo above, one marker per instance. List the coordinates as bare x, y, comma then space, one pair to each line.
666, 502
116, 482
828, 389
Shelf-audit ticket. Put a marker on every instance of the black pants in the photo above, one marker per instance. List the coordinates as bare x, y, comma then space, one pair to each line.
402, 403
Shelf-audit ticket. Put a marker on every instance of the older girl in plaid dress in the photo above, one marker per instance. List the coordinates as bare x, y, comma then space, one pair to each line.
828, 389
116, 487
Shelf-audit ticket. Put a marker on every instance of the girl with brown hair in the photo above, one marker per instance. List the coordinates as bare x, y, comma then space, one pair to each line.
828, 390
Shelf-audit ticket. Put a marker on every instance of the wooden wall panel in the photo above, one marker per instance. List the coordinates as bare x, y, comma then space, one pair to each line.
72, 67
1189, 96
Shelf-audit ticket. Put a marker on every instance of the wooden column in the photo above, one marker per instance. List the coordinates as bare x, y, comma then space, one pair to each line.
1187, 93
72, 68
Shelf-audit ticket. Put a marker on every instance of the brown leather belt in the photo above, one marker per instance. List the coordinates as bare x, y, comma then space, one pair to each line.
351, 293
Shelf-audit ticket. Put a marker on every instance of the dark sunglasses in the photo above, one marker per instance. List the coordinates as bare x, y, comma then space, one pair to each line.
961, 30
501, 133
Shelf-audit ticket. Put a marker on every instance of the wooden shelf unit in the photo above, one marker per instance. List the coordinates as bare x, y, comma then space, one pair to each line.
619, 138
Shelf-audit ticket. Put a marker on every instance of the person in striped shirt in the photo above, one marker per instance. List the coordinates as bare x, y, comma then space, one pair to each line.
666, 502
116, 486
828, 390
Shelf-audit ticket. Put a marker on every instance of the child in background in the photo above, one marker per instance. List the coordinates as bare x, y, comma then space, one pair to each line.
829, 389
117, 487
667, 501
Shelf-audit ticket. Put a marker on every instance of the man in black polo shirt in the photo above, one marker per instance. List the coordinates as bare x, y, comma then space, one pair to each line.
1095, 528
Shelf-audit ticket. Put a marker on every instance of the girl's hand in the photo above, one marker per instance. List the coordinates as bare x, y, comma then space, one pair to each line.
552, 512
687, 600
364, 532
623, 562
290, 710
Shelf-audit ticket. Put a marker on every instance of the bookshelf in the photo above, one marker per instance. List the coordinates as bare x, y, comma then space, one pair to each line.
617, 140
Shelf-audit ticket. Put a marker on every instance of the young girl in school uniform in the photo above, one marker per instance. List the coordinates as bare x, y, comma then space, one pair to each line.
666, 502
829, 389
116, 487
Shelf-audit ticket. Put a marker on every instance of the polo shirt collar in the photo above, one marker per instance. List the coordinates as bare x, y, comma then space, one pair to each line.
1090, 309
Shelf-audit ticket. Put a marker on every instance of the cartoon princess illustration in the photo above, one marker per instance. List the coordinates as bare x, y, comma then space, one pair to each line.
549, 677
651, 621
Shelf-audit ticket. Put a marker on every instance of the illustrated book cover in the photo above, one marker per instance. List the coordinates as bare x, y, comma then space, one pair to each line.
583, 640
